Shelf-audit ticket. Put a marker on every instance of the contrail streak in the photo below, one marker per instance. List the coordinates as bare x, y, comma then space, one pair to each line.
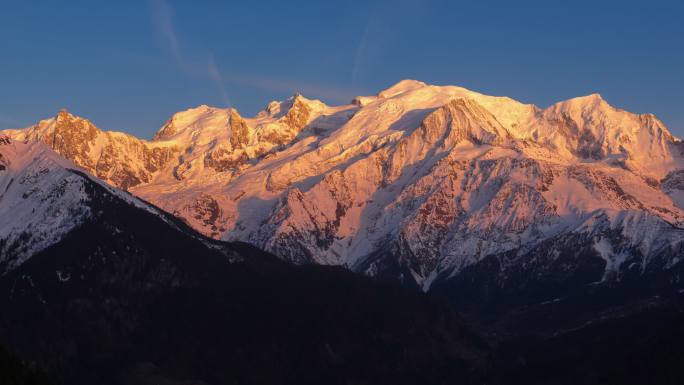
215, 75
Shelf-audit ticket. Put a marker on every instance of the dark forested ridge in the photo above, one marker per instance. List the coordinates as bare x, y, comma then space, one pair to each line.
13, 371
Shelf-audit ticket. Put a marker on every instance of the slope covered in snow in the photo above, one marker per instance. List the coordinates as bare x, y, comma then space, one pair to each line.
44, 197
418, 182
40, 200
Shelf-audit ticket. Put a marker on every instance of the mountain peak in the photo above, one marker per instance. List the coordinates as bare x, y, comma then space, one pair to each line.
63, 114
68, 121
594, 96
182, 119
278, 109
588, 102
401, 87
201, 109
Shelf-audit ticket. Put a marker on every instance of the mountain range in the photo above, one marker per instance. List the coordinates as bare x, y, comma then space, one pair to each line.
529, 221
419, 182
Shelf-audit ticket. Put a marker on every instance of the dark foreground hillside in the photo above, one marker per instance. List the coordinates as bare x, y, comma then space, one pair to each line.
15, 372
642, 348
571, 328
127, 298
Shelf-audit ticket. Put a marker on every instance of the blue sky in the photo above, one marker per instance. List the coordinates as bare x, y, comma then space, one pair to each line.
129, 65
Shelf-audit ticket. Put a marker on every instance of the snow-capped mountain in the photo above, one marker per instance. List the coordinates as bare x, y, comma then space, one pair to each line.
418, 182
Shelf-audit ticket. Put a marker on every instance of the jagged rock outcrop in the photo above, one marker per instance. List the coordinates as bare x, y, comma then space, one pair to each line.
239, 132
118, 158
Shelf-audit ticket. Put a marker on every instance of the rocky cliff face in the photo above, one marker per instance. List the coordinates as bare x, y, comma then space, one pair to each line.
418, 183
117, 158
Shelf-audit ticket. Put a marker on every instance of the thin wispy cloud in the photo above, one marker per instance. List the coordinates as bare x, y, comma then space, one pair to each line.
215, 75
163, 21
375, 40
360, 53
162, 18
386, 21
